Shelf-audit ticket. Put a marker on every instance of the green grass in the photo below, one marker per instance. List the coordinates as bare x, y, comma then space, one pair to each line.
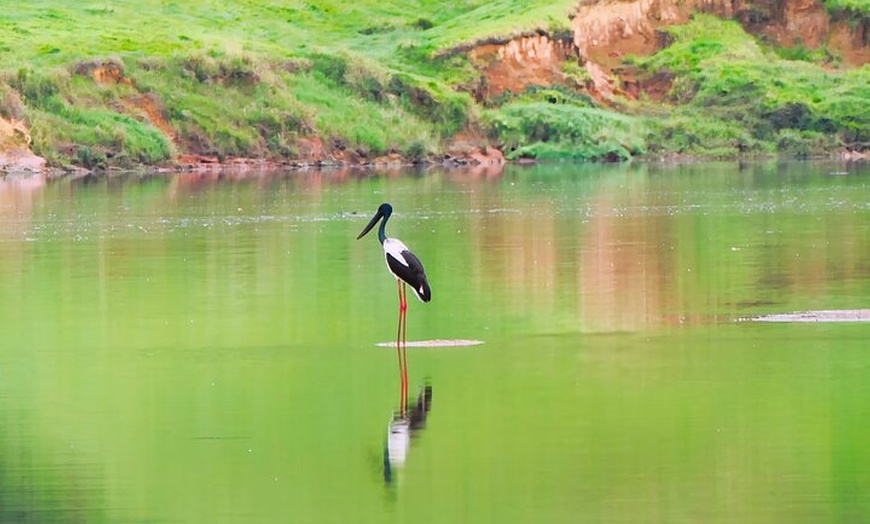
51, 32
499, 19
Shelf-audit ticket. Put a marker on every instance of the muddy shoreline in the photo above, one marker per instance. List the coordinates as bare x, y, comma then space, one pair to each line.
25, 163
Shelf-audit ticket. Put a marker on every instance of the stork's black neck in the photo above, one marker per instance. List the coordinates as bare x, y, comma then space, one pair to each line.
382, 234
386, 210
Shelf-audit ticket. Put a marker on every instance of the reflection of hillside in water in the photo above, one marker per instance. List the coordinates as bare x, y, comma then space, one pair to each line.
638, 252
17, 195
312, 182
16, 204
600, 250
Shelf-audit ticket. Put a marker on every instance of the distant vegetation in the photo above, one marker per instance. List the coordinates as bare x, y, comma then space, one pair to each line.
367, 78
862, 6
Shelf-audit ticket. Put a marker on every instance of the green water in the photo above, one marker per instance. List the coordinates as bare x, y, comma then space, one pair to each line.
188, 348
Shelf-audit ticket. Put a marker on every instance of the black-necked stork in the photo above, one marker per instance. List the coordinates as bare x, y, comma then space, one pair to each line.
407, 269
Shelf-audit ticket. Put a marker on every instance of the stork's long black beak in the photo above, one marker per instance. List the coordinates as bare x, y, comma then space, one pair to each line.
371, 224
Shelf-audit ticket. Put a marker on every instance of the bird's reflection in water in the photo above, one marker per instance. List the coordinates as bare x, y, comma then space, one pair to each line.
404, 425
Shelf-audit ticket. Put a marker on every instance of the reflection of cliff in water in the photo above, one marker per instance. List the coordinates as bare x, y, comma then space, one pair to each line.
18, 195
403, 427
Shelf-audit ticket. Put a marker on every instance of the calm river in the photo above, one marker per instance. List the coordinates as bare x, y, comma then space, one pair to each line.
186, 348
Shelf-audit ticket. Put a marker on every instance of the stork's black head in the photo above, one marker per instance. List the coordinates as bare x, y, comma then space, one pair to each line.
384, 211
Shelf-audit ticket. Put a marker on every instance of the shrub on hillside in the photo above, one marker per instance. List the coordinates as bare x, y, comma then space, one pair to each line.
543, 130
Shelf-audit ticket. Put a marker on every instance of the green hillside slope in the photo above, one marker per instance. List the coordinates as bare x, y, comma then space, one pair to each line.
126, 83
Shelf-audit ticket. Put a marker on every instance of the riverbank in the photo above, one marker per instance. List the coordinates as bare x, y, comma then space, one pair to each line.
384, 84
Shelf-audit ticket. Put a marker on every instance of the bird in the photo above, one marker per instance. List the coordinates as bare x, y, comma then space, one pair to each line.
408, 270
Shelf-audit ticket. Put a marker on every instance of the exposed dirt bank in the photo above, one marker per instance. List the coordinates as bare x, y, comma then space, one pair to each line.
522, 62
607, 31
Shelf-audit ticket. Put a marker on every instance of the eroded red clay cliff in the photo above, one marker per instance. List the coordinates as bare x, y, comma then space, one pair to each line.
607, 31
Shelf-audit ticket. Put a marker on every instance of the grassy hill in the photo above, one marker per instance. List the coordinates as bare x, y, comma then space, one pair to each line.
126, 83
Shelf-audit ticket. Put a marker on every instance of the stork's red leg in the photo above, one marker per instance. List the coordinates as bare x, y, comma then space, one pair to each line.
400, 347
404, 357
399, 351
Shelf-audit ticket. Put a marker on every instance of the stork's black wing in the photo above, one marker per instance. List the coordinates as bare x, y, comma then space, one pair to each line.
413, 274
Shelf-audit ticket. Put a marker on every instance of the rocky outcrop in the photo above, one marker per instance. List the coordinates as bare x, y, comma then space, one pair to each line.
15, 152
